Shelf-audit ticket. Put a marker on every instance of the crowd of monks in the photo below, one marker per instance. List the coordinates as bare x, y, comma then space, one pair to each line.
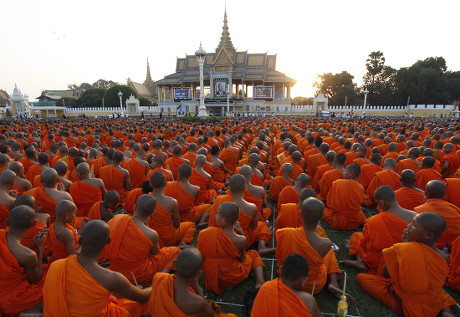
122, 217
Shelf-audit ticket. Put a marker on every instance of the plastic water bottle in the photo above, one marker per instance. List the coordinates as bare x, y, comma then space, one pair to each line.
342, 308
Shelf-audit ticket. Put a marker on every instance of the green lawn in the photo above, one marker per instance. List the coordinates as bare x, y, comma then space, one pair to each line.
232, 300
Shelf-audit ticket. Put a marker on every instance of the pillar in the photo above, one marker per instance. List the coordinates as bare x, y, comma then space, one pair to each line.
289, 91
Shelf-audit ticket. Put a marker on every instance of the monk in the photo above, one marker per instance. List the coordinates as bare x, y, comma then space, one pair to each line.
87, 191
409, 196
62, 236
221, 173
22, 184
316, 160
279, 182
172, 164
361, 159
186, 195
180, 294
138, 169
48, 196
30, 159
229, 156
289, 214
157, 166
204, 180
434, 193
453, 279
450, 162
285, 296
7, 195
410, 162
329, 177
134, 250
21, 273
115, 177
226, 262
36, 169
190, 155
256, 195
290, 194
134, 194
254, 230
452, 190
63, 176
386, 177
343, 210
369, 170
166, 220
414, 271
317, 250
380, 232
103, 210
426, 173
322, 169
94, 284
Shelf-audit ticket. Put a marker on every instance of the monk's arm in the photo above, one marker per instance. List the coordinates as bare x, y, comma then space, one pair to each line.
102, 188
445, 167
311, 304
155, 241
69, 243
175, 216
33, 263
120, 285
254, 222
127, 182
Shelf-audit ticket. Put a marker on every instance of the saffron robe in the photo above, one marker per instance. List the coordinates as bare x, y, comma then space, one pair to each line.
42, 199
314, 161
385, 177
173, 164
131, 199
230, 158
326, 182
409, 198
114, 179
84, 196
424, 176
452, 191
277, 185
367, 173
288, 195
4, 214
206, 194
453, 279
33, 171
58, 247
319, 174
407, 163
136, 172
186, 203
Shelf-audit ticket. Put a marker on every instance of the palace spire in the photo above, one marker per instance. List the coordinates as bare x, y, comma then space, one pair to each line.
148, 78
225, 40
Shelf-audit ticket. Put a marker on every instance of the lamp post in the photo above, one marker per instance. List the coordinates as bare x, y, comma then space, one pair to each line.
201, 56
120, 94
228, 102
366, 92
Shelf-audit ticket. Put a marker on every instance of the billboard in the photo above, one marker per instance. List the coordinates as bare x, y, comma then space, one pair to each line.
263, 92
182, 93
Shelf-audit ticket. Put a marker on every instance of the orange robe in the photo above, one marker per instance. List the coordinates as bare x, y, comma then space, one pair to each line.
417, 275
158, 169
407, 163
206, 194
173, 164
452, 191
314, 161
129, 252
288, 195
71, 291
186, 203
385, 177
326, 182
424, 176
131, 199
343, 211
4, 214
367, 173
319, 174
380, 232
275, 299
276, 186
409, 198
42, 199
33, 171
94, 212
114, 179
161, 222
289, 216
98, 164
58, 247
294, 240
16, 293
453, 279
230, 158
84, 196
19, 189
191, 157
220, 260
263, 213
136, 172
451, 215
454, 164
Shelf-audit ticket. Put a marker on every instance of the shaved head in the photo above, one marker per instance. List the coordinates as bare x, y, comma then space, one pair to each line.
306, 193
230, 211
385, 193
21, 218
432, 222
330, 156
188, 262
27, 200
200, 160
408, 177
312, 210
184, 171
112, 196
94, 236
145, 205
60, 167
287, 168
158, 180
389, 164
246, 171
16, 167
49, 177
294, 267
63, 207
353, 170
7, 178
82, 170
435, 189
237, 184
302, 179
340, 158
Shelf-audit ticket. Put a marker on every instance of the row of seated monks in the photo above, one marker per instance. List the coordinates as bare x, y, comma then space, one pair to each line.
98, 230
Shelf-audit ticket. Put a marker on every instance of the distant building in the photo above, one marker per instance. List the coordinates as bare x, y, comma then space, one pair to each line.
19, 103
4, 98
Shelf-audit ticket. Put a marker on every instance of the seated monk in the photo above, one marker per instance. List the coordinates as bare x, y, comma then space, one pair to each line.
36, 169
165, 220
289, 214
285, 296
103, 210
203, 180
63, 174
385, 177
426, 173
322, 169
256, 195
190, 155
22, 184
180, 294
7, 195
186, 195
254, 230
450, 162
258, 177
414, 271
329, 177
344, 200
316, 160
452, 190
87, 190
290, 194
137, 168
134, 250
172, 164
115, 177
369, 170
453, 279
279, 182
230, 156
21, 273
225, 261
296, 162
317, 250
47, 196
380, 232
94, 284
134, 194
62, 237
408, 196
410, 162
157, 166
221, 173
434, 193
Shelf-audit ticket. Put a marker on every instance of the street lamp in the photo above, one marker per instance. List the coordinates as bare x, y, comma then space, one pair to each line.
201, 56
120, 94
366, 92
228, 102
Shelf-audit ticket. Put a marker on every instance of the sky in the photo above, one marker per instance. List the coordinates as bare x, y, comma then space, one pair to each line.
50, 44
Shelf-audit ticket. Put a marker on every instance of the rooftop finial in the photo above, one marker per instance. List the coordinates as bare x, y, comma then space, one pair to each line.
148, 78
225, 40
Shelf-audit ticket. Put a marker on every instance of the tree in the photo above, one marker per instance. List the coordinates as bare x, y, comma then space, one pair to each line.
111, 98
375, 63
383, 90
91, 97
302, 101
341, 84
105, 84
101, 83
144, 102
68, 102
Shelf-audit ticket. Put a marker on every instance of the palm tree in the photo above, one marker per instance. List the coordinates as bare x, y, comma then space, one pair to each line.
375, 63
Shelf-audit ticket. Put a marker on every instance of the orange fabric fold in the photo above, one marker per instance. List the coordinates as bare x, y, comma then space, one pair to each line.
136, 172
186, 203
58, 247
114, 179
84, 196
409, 198
276, 186
206, 195
453, 279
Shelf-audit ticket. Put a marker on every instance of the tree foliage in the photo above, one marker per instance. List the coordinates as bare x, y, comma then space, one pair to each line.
144, 102
111, 98
101, 83
302, 101
68, 102
374, 64
336, 87
91, 97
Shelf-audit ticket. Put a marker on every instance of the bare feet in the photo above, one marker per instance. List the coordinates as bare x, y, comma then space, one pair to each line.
265, 250
347, 244
337, 292
356, 264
